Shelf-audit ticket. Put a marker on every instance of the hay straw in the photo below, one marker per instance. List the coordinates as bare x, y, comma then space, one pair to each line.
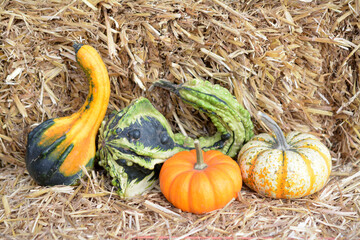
296, 60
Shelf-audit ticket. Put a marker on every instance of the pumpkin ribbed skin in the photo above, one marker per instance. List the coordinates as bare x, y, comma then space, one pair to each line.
301, 169
57, 148
200, 191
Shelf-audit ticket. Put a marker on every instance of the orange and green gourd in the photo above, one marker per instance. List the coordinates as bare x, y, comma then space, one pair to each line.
58, 148
284, 167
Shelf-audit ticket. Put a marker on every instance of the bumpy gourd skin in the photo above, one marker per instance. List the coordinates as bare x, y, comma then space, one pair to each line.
136, 140
228, 116
59, 147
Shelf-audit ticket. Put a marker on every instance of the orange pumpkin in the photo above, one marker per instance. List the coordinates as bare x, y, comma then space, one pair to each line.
284, 167
199, 182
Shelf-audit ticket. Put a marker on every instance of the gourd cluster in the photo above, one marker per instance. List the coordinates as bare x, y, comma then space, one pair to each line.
138, 148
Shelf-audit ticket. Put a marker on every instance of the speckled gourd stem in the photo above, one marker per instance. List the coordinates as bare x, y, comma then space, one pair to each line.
280, 142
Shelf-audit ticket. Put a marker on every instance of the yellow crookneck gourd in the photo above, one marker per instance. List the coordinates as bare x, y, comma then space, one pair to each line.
58, 148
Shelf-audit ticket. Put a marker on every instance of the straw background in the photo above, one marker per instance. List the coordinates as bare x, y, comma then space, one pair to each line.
295, 60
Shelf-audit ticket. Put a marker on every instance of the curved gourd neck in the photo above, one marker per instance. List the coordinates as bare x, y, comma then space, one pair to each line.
99, 84
280, 142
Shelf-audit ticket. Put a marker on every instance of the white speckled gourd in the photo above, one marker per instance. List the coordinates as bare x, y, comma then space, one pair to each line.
284, 167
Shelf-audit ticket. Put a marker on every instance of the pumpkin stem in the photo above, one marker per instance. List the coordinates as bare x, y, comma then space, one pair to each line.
199, 165
280, 138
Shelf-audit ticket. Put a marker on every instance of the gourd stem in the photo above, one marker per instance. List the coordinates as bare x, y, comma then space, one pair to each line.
280, 138
199, 165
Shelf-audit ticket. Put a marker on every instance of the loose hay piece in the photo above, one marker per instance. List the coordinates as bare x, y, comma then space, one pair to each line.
296, 60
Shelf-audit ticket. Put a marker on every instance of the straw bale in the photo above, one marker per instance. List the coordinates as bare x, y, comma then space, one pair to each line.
296, 60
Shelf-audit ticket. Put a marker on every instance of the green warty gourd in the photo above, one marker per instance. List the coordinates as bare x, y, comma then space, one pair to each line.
136, 140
